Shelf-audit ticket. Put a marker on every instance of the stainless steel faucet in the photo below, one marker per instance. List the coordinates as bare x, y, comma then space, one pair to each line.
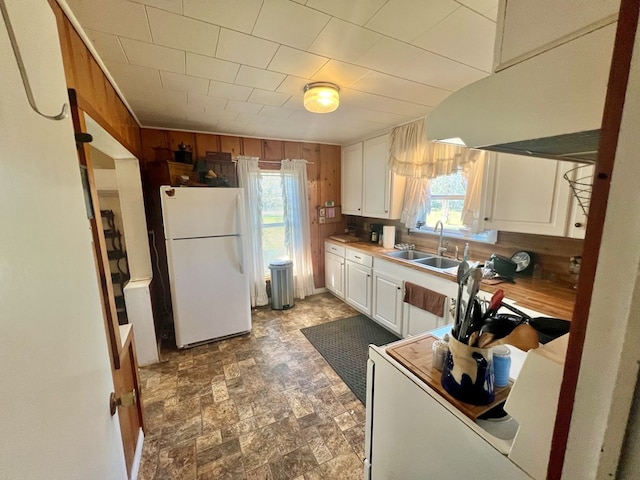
441, 247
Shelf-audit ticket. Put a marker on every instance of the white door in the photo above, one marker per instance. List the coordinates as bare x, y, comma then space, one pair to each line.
56, 372
201, 212
387, 302
334, 273
376, 178
358, 286
526, 195
209, 289
352, 179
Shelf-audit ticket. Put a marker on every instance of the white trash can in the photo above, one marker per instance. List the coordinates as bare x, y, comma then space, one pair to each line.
281, 284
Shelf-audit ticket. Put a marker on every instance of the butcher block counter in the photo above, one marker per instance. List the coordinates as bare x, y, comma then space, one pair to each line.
552, 299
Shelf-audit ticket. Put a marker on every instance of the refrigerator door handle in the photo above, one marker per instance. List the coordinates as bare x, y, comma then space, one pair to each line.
241, 253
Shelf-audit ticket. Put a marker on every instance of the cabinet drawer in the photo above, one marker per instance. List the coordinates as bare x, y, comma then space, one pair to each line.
359, 257
335, 249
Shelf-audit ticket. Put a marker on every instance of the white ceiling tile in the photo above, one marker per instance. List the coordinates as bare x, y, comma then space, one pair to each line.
153, 56
293, 85
354, 11
183, 33
340, 73
228, 90
117, 17
464, 36
237, 15
253, 120
407, 19
295, 103
258, 78
296, 62
174, 6
289, 23
240, 48
133, 77
437, 71
492, 14
242, 107
207, 67
265, 97
399, 88
392, 57
344, 41
275, 112
108, 46
480, 6
207, 102
381, 104
183, 83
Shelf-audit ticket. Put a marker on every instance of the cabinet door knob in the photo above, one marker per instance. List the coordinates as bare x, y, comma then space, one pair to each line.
577, 224
486, 218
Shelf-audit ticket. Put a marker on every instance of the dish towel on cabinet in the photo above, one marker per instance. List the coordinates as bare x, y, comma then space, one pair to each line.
424, 298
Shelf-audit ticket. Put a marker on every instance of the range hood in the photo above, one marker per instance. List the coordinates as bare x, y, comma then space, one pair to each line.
547, 106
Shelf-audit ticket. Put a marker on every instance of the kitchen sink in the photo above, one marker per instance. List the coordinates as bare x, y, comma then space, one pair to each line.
410, 255
439, 263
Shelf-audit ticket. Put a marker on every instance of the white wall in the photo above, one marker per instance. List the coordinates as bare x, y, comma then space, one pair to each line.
55, 373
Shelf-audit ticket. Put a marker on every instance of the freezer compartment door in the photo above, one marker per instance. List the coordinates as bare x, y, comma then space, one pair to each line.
209, 290
201, 212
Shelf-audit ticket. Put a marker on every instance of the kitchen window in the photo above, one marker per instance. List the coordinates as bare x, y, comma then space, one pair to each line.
446, 201
273, 225
455, 199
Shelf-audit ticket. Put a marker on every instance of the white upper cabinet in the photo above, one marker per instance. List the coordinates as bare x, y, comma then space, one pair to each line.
526, 28
352, 179
369, 188
526, 195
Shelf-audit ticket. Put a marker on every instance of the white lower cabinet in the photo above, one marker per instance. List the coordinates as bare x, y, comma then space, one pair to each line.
388, 293
358, 286
334, 273
358, 280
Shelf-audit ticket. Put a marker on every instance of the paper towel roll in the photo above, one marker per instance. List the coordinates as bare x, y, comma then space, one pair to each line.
388, 236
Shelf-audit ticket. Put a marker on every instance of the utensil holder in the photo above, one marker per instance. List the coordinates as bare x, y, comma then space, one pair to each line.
467, 374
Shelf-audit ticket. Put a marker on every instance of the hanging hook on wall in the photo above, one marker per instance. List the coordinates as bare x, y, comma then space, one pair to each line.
23, 71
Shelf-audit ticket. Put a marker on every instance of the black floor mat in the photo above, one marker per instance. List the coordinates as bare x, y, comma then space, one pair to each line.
344, 344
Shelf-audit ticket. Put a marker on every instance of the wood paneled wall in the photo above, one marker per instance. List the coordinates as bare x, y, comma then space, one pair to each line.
94, 93
323, 171
553, 253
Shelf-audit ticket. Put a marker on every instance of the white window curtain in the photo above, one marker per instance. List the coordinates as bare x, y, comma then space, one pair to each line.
471, 209
249, 178
297, 224
411, 155
417, 195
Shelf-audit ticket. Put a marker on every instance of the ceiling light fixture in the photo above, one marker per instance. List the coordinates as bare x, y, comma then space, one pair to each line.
321, 97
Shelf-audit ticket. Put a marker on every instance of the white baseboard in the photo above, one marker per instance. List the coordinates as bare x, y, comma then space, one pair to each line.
316, 291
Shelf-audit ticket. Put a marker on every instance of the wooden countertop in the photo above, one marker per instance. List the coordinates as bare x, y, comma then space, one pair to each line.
551, 299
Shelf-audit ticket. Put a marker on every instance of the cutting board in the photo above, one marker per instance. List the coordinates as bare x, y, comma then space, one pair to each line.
344, 238
416, 355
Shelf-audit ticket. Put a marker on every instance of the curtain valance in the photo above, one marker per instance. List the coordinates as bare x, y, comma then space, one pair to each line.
411, 155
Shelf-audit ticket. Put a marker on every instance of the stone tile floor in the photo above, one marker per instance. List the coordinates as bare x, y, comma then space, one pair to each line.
265, 405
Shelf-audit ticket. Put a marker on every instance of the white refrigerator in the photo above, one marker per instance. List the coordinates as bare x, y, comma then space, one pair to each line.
203, 230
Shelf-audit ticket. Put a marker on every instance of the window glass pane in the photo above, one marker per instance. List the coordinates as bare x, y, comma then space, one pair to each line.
273, 247
447, 200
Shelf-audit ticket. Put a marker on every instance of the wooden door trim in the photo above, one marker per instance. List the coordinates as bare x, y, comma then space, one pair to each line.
102, 261
611, 121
